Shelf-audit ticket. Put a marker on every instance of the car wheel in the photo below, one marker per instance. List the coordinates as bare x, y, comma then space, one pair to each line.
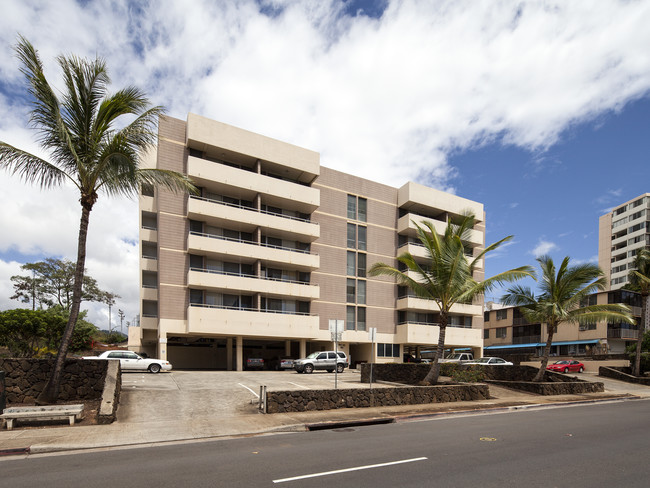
154, 368
339, 368
566, 370
581, 370
309, 368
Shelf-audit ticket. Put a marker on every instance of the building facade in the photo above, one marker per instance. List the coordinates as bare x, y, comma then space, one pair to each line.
275, 248
621, 233
506, 331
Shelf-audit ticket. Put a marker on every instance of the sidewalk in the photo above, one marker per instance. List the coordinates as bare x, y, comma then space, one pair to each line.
143, 433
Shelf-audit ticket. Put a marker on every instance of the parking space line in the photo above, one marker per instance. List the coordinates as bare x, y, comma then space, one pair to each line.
249, 389
299, 386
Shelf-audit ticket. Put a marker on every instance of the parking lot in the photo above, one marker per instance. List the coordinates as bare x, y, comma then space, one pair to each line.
196, 394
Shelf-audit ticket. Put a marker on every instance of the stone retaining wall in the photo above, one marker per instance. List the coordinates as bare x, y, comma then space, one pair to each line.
306, 400
622, 374
26, 378
552, 388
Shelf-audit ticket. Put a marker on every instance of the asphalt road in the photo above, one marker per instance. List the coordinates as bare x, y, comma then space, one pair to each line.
598, 445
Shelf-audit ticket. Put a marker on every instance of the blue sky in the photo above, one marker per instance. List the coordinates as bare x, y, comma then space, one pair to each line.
537, 109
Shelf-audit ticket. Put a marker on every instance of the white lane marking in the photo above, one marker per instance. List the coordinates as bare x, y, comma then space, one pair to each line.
300, 386
347, 470
244, 386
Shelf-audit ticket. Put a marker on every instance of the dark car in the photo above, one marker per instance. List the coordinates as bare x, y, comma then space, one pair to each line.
254, 363
566, 366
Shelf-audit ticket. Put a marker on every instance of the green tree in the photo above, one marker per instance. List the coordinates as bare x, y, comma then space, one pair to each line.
22, 330
51, 284
639, 281
561, 299
447, 276
91, 146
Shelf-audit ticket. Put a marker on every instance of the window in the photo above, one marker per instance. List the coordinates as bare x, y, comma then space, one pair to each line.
357, 208
388, 350
502, 332
352, 235
362, 238
486, 316
361, 265
352, 258
351, 295
486, 333
350, 323
361, 318
502, 314
361, 292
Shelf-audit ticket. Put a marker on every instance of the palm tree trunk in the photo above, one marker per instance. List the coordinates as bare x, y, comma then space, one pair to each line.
639, 341
547, 351
50, 393
433, 374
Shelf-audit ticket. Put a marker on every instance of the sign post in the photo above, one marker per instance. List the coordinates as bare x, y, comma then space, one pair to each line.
372, 334
336, 329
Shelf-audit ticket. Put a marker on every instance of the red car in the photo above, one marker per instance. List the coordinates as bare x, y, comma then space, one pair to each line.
566, 366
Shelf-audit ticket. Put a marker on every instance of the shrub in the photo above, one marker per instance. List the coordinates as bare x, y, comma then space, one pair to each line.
462, 374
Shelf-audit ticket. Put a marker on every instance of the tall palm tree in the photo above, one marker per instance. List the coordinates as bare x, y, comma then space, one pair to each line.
639, 279
561, 298
447, 277
89, 146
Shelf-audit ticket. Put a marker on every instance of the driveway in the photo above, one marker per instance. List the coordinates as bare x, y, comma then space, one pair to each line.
171, 395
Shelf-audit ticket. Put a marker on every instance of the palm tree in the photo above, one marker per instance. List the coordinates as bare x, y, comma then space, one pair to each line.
561, 300
447, 277
81, 132
639, 279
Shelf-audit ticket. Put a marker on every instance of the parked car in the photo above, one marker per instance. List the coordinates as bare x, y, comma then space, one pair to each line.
459, 357
327, 360
566, 366
280, 363
255, 363
490, 361
130, 361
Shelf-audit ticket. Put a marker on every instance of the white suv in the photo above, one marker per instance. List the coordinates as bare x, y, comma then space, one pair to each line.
326, 360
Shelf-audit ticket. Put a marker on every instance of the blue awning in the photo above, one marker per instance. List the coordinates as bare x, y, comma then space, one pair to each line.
542, 344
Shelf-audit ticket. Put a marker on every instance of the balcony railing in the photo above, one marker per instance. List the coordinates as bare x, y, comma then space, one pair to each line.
244, 207
246, 275
248, 309
253, 243
526, 339
622, 334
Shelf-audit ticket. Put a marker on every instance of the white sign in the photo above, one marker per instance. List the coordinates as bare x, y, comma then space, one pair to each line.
372, 334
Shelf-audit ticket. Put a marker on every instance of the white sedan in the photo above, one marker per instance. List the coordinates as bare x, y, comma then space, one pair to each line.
491, 362
130, 361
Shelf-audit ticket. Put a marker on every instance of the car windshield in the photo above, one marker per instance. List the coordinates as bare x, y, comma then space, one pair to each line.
454, 356
313, 355
483, 360
561, 362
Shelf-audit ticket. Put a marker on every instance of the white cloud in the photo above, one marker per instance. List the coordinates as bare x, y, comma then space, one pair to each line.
543, 247
388, 97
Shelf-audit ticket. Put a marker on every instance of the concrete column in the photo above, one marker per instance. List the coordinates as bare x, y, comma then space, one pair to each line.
303, 348
240, 353
162, 347
417, 352
229, 354
287, 348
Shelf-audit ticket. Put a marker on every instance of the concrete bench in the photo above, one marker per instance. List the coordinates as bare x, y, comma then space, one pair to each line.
47, 412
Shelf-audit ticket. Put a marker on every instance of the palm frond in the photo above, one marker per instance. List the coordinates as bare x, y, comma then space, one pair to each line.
30, 168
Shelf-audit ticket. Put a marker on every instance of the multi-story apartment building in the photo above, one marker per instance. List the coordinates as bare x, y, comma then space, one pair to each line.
274, 248
621, 233
506, 331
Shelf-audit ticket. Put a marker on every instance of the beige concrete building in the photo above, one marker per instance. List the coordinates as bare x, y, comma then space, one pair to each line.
506, 331
621, 233
277, 246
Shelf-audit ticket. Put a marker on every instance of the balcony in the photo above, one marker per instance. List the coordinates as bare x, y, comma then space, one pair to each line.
221, 214
149, 263
205, 319
415, 333
149, 293
149, 234
527, 339
227, 179
415, 303
149, 321
619, 333
273, 256
219, 280
405, 226
419, 252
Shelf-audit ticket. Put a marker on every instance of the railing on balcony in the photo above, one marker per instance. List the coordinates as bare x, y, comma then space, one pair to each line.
526, 339
151, 287
520, 321
251, 209
415, 322
622, 334
249, 309
253, 243
149, 227
150, 256
247, 275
